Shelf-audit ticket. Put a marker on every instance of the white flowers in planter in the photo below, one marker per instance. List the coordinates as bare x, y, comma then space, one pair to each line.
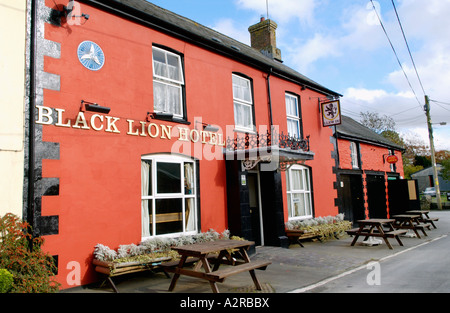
324, 226
152, 245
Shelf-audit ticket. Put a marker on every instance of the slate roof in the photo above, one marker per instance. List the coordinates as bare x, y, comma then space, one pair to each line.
156, 17
352, 130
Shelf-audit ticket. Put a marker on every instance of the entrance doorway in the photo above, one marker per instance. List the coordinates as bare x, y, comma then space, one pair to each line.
376, 194
352, 197
254, 190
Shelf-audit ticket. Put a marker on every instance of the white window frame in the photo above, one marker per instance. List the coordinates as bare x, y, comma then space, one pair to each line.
179, 84
392, 166
292, 117
305, 191
155, 195
354, 155
247, 104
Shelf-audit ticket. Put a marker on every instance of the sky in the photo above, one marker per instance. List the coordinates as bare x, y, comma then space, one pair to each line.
342, 46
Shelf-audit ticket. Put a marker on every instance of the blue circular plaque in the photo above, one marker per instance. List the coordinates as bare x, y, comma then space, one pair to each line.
91, 55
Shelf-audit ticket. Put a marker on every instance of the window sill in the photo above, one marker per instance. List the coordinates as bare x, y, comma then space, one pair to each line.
171, 119
245, 131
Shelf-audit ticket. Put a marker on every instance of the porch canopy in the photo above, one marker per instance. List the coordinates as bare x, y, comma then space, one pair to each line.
273, 151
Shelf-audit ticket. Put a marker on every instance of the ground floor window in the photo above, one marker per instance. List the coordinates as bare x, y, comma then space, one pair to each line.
169, 195
299, 192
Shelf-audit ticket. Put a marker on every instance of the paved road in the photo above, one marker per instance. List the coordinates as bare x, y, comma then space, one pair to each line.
420, 269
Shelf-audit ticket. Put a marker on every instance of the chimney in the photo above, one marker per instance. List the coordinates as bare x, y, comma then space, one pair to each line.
263, 38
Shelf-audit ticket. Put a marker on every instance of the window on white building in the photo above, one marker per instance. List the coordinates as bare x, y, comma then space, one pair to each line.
299, 192
169, 197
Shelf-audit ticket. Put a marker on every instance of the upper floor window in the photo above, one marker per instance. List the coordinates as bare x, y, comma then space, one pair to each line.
243, 103
293, 116
393, 166
354, 154
168, 83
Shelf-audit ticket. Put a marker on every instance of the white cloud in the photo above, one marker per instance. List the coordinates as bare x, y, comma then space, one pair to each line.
363, 94
283, 11
229, 27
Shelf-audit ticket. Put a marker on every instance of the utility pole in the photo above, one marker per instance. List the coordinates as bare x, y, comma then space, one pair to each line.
433, 154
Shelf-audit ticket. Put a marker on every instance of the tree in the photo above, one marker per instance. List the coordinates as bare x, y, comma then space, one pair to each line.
377, 123
445, 171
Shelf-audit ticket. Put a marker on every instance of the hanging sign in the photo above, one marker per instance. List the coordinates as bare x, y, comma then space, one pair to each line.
392, 159
331, 113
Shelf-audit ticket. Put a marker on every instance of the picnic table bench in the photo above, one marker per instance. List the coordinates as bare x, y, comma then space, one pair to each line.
424, 218
374, 228
411, 222
224, 249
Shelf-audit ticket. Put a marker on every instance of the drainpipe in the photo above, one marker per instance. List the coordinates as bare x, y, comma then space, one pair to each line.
31, 125
270, 99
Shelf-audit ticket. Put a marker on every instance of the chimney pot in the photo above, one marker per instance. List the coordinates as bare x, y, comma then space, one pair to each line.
263, 38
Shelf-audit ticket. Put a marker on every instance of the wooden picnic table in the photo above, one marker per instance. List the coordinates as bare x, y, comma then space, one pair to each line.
411, 222
424, 218
377, 227
223, 249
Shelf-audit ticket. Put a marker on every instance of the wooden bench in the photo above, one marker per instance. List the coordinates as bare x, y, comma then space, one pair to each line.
298, 235
394, 233
352, 231
113, 269
431, 221
221, 274
422, 227
171, 265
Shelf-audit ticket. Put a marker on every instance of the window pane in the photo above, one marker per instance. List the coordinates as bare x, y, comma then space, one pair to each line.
146, 177
190, 214
167, 98
291, 105
243, 115
169, 217
297, 180
159, 63
298, 203
188, 178
146, 206
290, 213
307, 187
173, 67
308, 204
293, 128
241, 89
159, 96
168, 177
173, 101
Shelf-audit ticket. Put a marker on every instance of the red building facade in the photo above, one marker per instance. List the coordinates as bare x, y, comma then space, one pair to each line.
143, 124
367, 163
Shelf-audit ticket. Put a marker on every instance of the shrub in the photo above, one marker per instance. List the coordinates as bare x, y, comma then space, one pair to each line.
21, 254
6, 280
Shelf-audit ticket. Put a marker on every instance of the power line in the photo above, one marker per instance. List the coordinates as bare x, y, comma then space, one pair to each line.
395, 52
444, 108
446, 103
407, 45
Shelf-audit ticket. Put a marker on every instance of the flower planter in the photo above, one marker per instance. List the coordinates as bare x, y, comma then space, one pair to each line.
117, 268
